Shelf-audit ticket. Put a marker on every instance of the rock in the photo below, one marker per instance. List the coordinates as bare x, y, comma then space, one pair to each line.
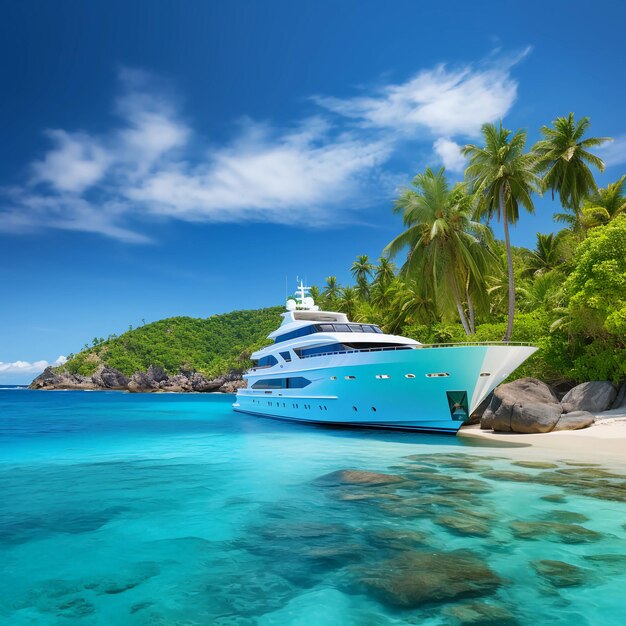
575, 420
568, 517
109, 378
524, 406
414, 579
61, 379
536, 464
534, 417
620, 398
156, 374
140, 381
231, 386
479, 614
357, 477
595, 396
560, 574
554, 531
464, 526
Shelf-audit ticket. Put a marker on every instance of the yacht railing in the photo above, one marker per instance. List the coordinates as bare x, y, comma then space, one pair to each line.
421, 346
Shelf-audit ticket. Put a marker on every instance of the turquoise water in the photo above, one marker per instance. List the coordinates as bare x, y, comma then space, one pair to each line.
171, 510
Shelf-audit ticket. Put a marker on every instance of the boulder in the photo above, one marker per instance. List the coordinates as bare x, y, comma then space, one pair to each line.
415, 578
620, 398
231, 386
574, 420
525, 391
140, 381
107, 377
594, 396
560, 574
357, 477
156, 374
534, 417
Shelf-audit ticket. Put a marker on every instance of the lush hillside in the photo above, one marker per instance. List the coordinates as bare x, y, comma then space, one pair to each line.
211, 346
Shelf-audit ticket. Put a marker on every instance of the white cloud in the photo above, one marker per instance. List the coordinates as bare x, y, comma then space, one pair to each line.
26, 369
259, 178
449, 153
319, 171
77, 162
442, 101
614, 152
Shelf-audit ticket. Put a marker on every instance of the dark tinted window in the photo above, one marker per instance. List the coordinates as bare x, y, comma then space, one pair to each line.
356, 328
326, 328
297, 382
286, 356
331, 347
342, 328
299, 332
266, 361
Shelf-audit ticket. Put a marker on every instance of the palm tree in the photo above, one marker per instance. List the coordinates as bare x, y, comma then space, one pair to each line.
331, 292
604, 205
546, 256
348, 301
502, 176
563, 158
385, 272
361, 271
447, 249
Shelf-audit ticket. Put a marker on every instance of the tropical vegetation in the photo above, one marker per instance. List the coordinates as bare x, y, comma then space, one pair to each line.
445, 278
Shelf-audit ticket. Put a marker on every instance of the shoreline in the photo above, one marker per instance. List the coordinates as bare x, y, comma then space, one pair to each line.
603, 441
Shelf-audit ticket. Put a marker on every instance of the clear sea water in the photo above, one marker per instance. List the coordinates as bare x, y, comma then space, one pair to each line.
173, 510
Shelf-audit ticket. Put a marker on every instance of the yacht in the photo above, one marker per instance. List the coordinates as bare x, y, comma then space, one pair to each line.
323, 368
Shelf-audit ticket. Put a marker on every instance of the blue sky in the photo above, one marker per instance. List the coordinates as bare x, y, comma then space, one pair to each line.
166, 158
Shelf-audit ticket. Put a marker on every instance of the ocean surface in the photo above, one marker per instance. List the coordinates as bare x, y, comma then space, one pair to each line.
173, 510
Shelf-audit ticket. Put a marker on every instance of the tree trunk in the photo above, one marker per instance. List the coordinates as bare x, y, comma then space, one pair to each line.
509, 261
459, 308
472, 314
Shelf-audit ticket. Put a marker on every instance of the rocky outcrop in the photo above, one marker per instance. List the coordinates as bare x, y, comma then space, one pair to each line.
104, 377
155, 379
529, 406
594, 396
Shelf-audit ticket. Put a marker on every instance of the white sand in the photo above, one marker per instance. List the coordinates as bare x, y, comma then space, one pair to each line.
605, 441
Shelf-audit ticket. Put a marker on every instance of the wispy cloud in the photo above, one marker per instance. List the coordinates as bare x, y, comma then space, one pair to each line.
148, 164
614, 152
449, 153
25, 369
444, 101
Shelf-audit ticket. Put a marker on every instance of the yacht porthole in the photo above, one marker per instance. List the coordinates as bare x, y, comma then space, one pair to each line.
354, 408
437, 375
374, 409
409, 375
349, 377
333, 378
485, 373
382, 376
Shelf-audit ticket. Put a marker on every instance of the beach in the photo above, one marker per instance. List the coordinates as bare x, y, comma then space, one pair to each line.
604, 441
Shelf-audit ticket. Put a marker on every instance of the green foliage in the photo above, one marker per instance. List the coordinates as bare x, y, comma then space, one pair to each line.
597, 286
212, 346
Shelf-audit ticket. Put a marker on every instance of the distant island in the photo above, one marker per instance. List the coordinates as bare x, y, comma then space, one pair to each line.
176, 354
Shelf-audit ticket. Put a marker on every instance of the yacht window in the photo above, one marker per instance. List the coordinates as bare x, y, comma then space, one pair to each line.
379, 376
326, 328
296, 382
342, 328
286, 356
299, 332
266, 361
368, 329
330, 347
356, 328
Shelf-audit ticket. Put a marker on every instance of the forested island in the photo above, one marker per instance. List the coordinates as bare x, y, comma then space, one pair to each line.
454, 282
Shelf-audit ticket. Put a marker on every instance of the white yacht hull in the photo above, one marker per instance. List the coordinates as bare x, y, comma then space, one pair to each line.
428, 388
